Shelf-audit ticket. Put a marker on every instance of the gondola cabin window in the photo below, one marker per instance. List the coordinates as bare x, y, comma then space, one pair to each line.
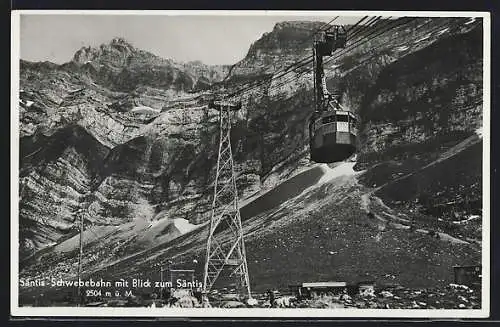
328, 119
342, 122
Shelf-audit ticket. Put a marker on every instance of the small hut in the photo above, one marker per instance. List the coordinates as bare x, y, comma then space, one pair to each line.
468, 275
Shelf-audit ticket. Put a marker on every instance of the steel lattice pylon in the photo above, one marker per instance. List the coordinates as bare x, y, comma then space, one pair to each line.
226, 248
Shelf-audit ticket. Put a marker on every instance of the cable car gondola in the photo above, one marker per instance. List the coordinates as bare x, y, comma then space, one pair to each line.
333, 136
332, 129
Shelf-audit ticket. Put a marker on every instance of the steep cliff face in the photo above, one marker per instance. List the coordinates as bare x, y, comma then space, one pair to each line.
418, 108
84, 101
420, 98
152, 146
55, 173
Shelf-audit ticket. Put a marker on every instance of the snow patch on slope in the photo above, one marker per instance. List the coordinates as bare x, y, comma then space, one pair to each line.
344, 169
184, 226
479, 132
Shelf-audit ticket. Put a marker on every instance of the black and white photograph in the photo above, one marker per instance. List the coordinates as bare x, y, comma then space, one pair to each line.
250, 163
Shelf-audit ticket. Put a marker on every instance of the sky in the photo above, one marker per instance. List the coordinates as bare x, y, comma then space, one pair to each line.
209, 38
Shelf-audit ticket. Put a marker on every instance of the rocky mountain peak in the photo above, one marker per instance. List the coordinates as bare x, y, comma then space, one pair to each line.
285, 36
121, 44
298, 24
120, 41
117, 48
